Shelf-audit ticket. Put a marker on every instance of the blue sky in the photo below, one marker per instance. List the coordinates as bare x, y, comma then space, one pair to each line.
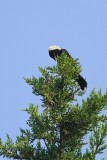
27, 29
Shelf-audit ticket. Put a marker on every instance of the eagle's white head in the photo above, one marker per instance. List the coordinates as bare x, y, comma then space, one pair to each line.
54, 48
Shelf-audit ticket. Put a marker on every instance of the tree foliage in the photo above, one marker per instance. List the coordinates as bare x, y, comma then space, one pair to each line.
58, 133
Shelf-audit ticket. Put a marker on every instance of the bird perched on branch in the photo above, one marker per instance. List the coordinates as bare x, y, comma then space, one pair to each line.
55, 51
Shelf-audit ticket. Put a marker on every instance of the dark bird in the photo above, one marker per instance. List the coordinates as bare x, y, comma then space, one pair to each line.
55, 51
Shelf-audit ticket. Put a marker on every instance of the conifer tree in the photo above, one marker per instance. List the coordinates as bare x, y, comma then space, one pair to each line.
58, 133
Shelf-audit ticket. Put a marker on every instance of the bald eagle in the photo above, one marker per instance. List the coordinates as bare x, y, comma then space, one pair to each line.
55, 51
